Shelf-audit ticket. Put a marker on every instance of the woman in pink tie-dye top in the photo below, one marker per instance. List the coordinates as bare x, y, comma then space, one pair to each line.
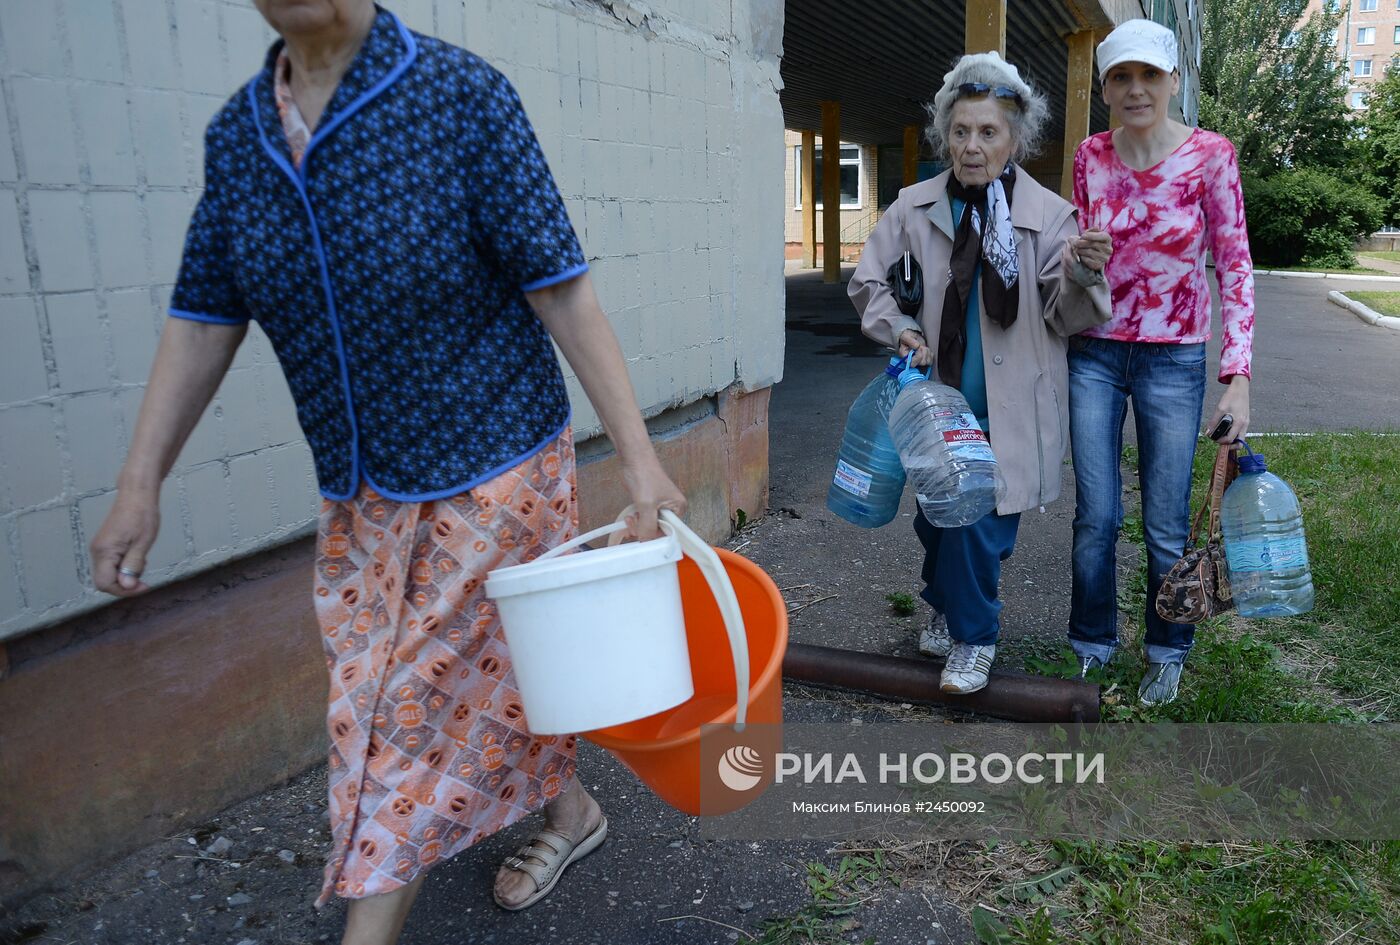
1165, 194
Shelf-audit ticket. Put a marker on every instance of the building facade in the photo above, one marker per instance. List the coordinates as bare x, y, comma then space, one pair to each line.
1367, 40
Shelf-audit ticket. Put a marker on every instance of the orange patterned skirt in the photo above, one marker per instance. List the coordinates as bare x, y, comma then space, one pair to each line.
429, 746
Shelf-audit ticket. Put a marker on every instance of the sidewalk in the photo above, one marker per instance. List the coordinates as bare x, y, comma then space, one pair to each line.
1315, 367
1375, 262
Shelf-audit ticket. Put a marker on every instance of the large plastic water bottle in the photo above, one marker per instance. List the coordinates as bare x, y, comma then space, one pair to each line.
1265, 551
945, 453
869, 479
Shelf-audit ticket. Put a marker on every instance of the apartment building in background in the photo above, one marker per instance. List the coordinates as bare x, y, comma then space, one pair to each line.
1367, 39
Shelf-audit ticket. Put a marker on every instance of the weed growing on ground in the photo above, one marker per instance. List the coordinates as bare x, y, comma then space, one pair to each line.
836, 893
902, 603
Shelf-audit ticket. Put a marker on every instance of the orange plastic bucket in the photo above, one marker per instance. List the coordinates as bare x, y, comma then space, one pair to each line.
663, 750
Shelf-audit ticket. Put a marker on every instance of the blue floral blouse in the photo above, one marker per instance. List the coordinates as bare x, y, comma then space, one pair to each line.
389, 268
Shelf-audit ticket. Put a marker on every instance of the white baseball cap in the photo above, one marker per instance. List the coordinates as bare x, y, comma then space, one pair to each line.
1138, 41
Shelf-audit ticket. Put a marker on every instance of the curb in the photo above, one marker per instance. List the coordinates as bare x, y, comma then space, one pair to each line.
1364, 312
1352, 276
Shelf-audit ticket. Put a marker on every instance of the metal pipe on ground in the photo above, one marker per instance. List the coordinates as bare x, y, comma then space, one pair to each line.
1015, 696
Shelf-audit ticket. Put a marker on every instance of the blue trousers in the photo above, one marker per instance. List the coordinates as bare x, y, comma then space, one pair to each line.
962, 571
1167, 385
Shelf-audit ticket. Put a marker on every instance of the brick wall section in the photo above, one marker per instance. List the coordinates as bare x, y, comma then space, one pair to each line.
661, 122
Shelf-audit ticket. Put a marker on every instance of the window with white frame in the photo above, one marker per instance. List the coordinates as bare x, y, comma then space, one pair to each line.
1358, 99
851, 174
1366, 36
1361, 67
1334, 5
1366, 6
1397, 28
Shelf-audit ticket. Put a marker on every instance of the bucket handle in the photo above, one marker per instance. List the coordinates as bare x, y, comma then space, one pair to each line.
717, 577
699, 551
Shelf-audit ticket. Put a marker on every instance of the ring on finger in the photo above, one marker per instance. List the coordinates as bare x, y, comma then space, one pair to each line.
129, 572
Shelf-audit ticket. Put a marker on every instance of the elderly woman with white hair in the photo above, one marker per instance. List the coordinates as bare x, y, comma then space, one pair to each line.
1008, 279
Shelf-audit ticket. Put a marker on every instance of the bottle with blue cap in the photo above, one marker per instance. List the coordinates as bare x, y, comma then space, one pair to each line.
869, 479
944, 451
1265, 550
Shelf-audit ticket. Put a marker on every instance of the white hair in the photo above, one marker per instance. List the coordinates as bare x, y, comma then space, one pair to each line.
1027, 122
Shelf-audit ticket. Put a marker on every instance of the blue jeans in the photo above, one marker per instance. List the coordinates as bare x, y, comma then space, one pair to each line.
962, 571
1167, 385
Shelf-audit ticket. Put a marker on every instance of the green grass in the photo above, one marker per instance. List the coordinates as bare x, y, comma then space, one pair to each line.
902, 603
1336, 664
1386, 303
1388, 256
1349, 489
1209, 894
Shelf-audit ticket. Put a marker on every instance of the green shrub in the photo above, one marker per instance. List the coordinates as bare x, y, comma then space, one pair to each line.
1307, 217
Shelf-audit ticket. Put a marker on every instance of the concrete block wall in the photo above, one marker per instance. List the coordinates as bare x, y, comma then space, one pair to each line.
661, 121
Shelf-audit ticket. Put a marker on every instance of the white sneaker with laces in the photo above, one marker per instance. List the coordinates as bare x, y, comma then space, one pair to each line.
967, 668
934, 639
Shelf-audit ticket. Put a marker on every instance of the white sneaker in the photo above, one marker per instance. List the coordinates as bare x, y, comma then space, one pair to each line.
934, 639
967, 668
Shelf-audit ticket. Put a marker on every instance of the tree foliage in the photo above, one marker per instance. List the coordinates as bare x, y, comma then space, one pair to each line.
1307, 216
1381, 143
1272, 83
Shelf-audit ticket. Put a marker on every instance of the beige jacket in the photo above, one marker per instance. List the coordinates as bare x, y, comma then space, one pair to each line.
1026, 367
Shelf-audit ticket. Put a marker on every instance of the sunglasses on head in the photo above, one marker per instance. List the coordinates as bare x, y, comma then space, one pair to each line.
1003, 92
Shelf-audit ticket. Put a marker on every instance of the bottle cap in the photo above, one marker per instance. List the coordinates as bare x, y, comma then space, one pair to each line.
895, 366
909, 376
1253, 463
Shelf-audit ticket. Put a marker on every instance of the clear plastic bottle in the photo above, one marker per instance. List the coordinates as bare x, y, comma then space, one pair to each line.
869, 480
1265, 550
945, 453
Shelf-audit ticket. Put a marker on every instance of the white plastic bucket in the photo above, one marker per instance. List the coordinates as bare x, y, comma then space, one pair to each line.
598, 638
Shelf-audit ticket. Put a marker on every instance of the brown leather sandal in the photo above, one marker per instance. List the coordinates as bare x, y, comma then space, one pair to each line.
551, 853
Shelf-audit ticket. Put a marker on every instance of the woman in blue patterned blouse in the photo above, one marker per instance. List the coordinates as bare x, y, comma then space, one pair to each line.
377, 200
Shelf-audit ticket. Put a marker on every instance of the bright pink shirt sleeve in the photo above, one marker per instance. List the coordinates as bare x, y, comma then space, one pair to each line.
1234, 269
1163, 220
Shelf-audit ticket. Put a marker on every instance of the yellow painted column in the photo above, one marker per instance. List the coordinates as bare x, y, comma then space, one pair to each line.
911, 155
1113, 121
985, 26
808, 170
831, 191
1079, 92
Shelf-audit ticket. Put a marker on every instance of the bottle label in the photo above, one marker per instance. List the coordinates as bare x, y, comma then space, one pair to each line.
853, 480
966, 441
1266, 554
